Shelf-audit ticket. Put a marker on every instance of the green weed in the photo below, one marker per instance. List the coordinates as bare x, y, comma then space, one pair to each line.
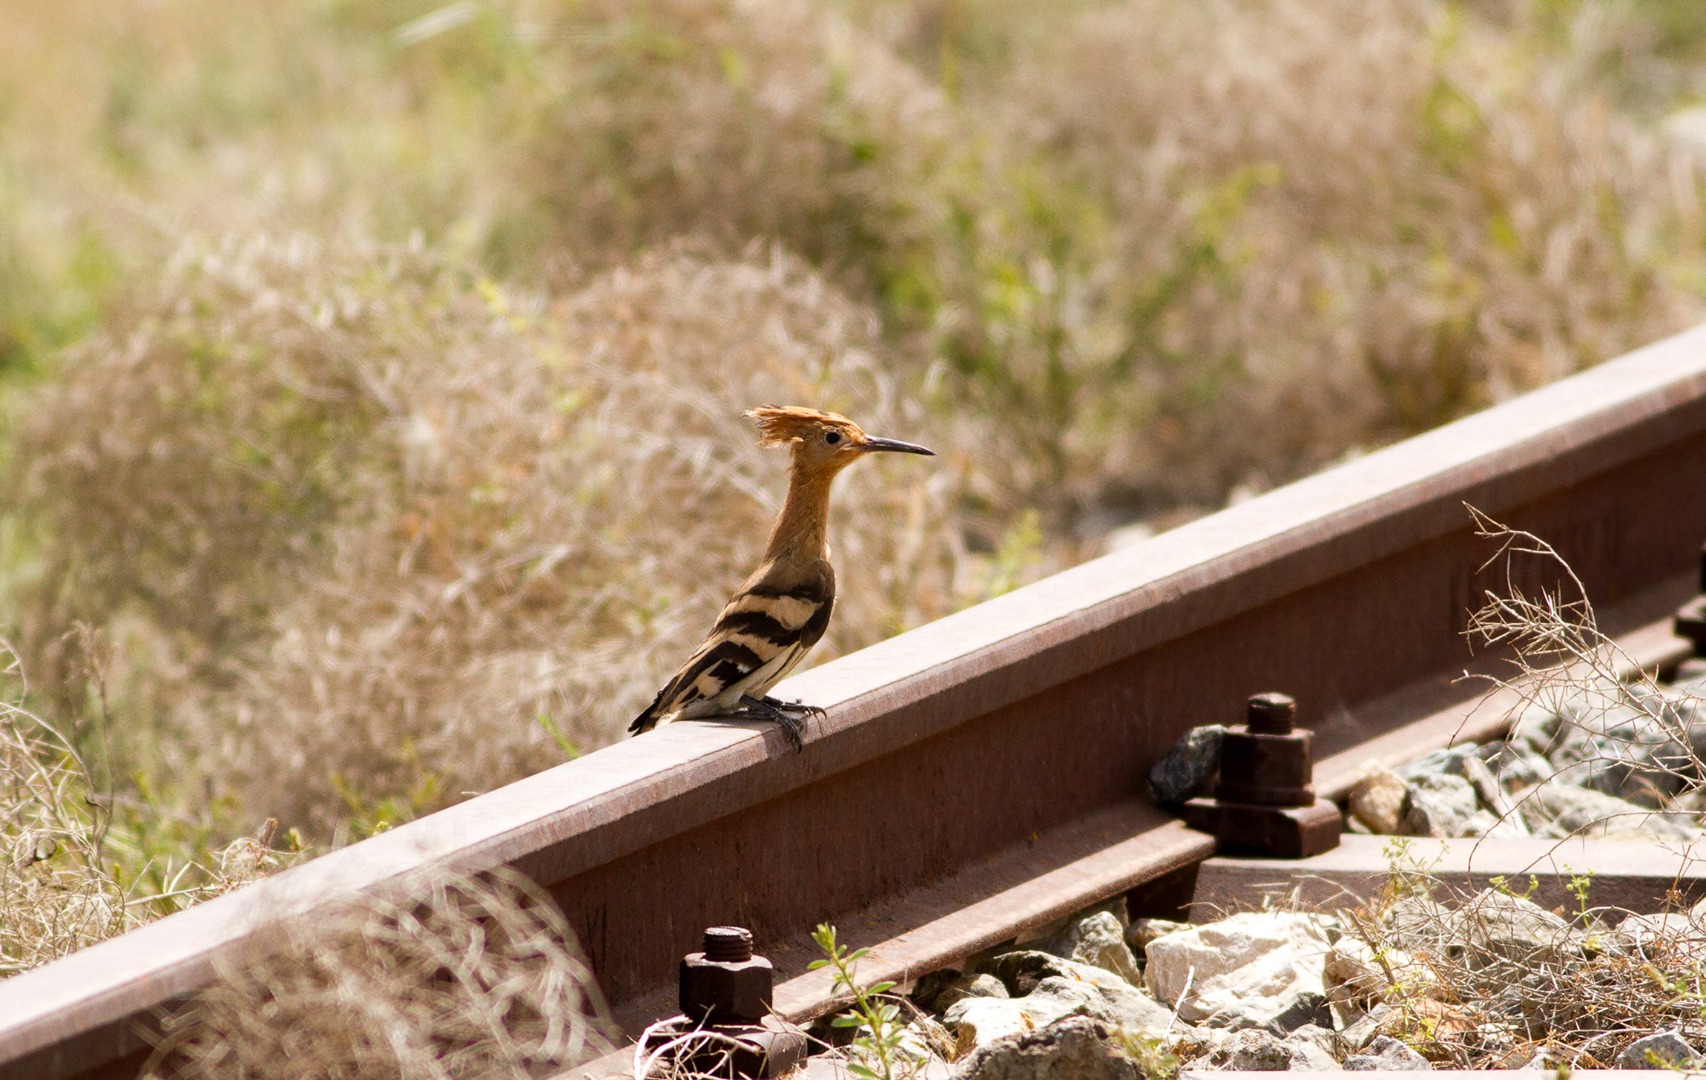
876, 1051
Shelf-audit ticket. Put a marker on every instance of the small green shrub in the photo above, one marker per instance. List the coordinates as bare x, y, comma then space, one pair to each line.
876, 1052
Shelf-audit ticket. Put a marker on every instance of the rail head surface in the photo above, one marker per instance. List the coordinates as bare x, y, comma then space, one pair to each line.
615, 807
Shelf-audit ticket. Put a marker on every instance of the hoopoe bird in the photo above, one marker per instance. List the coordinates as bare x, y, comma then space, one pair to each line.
782, 609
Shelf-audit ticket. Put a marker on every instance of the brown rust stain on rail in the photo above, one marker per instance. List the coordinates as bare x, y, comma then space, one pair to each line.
957, 742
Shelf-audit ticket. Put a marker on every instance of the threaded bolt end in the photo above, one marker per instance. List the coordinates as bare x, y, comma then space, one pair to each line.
1270, 714
728, 944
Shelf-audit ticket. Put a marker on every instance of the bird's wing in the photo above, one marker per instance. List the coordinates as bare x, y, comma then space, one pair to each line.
767, 628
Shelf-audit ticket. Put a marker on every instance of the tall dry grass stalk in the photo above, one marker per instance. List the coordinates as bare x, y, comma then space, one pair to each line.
55, 896
64, 848
1559, 653
1577, 692
456, 976
398, 533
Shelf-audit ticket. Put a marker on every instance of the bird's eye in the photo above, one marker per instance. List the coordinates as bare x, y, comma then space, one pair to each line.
832, 437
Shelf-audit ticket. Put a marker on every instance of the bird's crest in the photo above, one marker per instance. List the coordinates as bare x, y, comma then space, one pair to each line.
779, 425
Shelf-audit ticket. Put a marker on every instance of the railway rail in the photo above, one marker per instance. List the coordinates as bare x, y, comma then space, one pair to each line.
984, 774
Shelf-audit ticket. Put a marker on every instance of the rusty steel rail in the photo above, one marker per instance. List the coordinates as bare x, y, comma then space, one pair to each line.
983, 774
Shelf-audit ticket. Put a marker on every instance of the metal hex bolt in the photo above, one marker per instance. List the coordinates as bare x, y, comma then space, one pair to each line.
1268, 762
726, 983
726, 989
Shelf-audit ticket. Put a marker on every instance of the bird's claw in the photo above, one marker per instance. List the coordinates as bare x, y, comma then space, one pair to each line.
796, 706
790, 715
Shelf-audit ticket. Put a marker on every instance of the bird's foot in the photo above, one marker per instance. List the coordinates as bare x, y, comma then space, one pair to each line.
790, 715
795, 707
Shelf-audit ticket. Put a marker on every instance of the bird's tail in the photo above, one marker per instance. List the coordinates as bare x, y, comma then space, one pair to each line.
649, 718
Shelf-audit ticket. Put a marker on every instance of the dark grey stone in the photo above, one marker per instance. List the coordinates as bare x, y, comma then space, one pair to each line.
1254, 1050
1647, 773
1097, 939
1022, 969
1121, 1005
1507, 820
1076, 1048
1386, 1054
1313, 1048
1661, 1049
1028, 973
1568, 810
1571, 751
966, 986
1307, 1057
1189, 767
1307, 1008
1360, 1033
986, 1020
1142, 931
1523, 771
1446, 762
1440, 804
1533, 731
926, 989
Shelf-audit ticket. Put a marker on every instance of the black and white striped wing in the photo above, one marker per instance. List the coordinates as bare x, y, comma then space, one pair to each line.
760, 636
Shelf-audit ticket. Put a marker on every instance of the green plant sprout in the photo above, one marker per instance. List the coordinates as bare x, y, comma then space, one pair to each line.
1578, 888
568, 746
1503, 884
876, 1050
1154, 1059
1406, 873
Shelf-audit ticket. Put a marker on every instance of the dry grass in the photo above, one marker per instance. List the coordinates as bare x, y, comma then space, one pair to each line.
400, 534
1575, 686
729, 120
1491, 981
1131, 236
65, 848
1470, 989
1266, 233
55, 897
458, 976
1145, 255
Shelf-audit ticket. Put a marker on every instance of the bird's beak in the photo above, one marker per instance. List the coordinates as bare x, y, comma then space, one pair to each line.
871, 445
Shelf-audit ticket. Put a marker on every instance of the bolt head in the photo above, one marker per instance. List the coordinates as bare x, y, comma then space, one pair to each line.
1273, 770
726, 992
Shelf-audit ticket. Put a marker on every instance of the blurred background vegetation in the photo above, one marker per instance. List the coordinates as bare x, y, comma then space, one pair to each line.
371, 370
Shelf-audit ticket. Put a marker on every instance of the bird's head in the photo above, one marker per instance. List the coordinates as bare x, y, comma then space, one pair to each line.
821, 441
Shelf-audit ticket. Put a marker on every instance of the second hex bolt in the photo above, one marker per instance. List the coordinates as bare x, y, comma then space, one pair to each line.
1267, 762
